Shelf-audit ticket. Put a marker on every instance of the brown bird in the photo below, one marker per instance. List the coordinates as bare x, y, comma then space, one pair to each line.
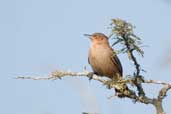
102, 57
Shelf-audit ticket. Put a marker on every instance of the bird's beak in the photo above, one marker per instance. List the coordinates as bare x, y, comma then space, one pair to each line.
88, 36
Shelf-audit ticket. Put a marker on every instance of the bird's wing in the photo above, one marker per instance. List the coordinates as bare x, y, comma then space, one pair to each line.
117, 63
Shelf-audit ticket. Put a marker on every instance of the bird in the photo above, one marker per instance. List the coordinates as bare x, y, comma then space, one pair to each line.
102, 58
105, 62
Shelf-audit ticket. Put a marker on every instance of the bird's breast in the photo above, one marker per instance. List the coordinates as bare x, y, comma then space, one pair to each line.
100, 60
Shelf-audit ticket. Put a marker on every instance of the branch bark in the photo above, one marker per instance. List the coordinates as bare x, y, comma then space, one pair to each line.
156, 102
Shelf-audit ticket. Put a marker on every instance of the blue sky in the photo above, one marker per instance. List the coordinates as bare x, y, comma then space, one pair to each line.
40, 36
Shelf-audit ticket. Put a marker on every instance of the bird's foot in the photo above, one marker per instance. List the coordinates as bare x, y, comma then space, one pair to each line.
90, 75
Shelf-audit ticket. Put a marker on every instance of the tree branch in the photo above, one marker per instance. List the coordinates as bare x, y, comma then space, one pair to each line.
124, 34
157, 102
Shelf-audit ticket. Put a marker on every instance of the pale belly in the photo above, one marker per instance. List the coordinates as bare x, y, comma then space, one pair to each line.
101, 61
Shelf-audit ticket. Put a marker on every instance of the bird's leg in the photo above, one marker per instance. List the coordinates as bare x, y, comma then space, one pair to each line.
90, 75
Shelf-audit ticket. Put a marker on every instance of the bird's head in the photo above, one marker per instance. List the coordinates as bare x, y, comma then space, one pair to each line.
97, 38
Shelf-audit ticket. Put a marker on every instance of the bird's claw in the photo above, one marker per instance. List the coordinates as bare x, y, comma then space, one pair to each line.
90, 75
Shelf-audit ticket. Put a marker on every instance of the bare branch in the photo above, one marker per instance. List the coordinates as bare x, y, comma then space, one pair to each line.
156, 82
163, 91
60, 74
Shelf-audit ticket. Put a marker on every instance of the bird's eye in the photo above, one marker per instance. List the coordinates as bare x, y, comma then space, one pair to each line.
95, 36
